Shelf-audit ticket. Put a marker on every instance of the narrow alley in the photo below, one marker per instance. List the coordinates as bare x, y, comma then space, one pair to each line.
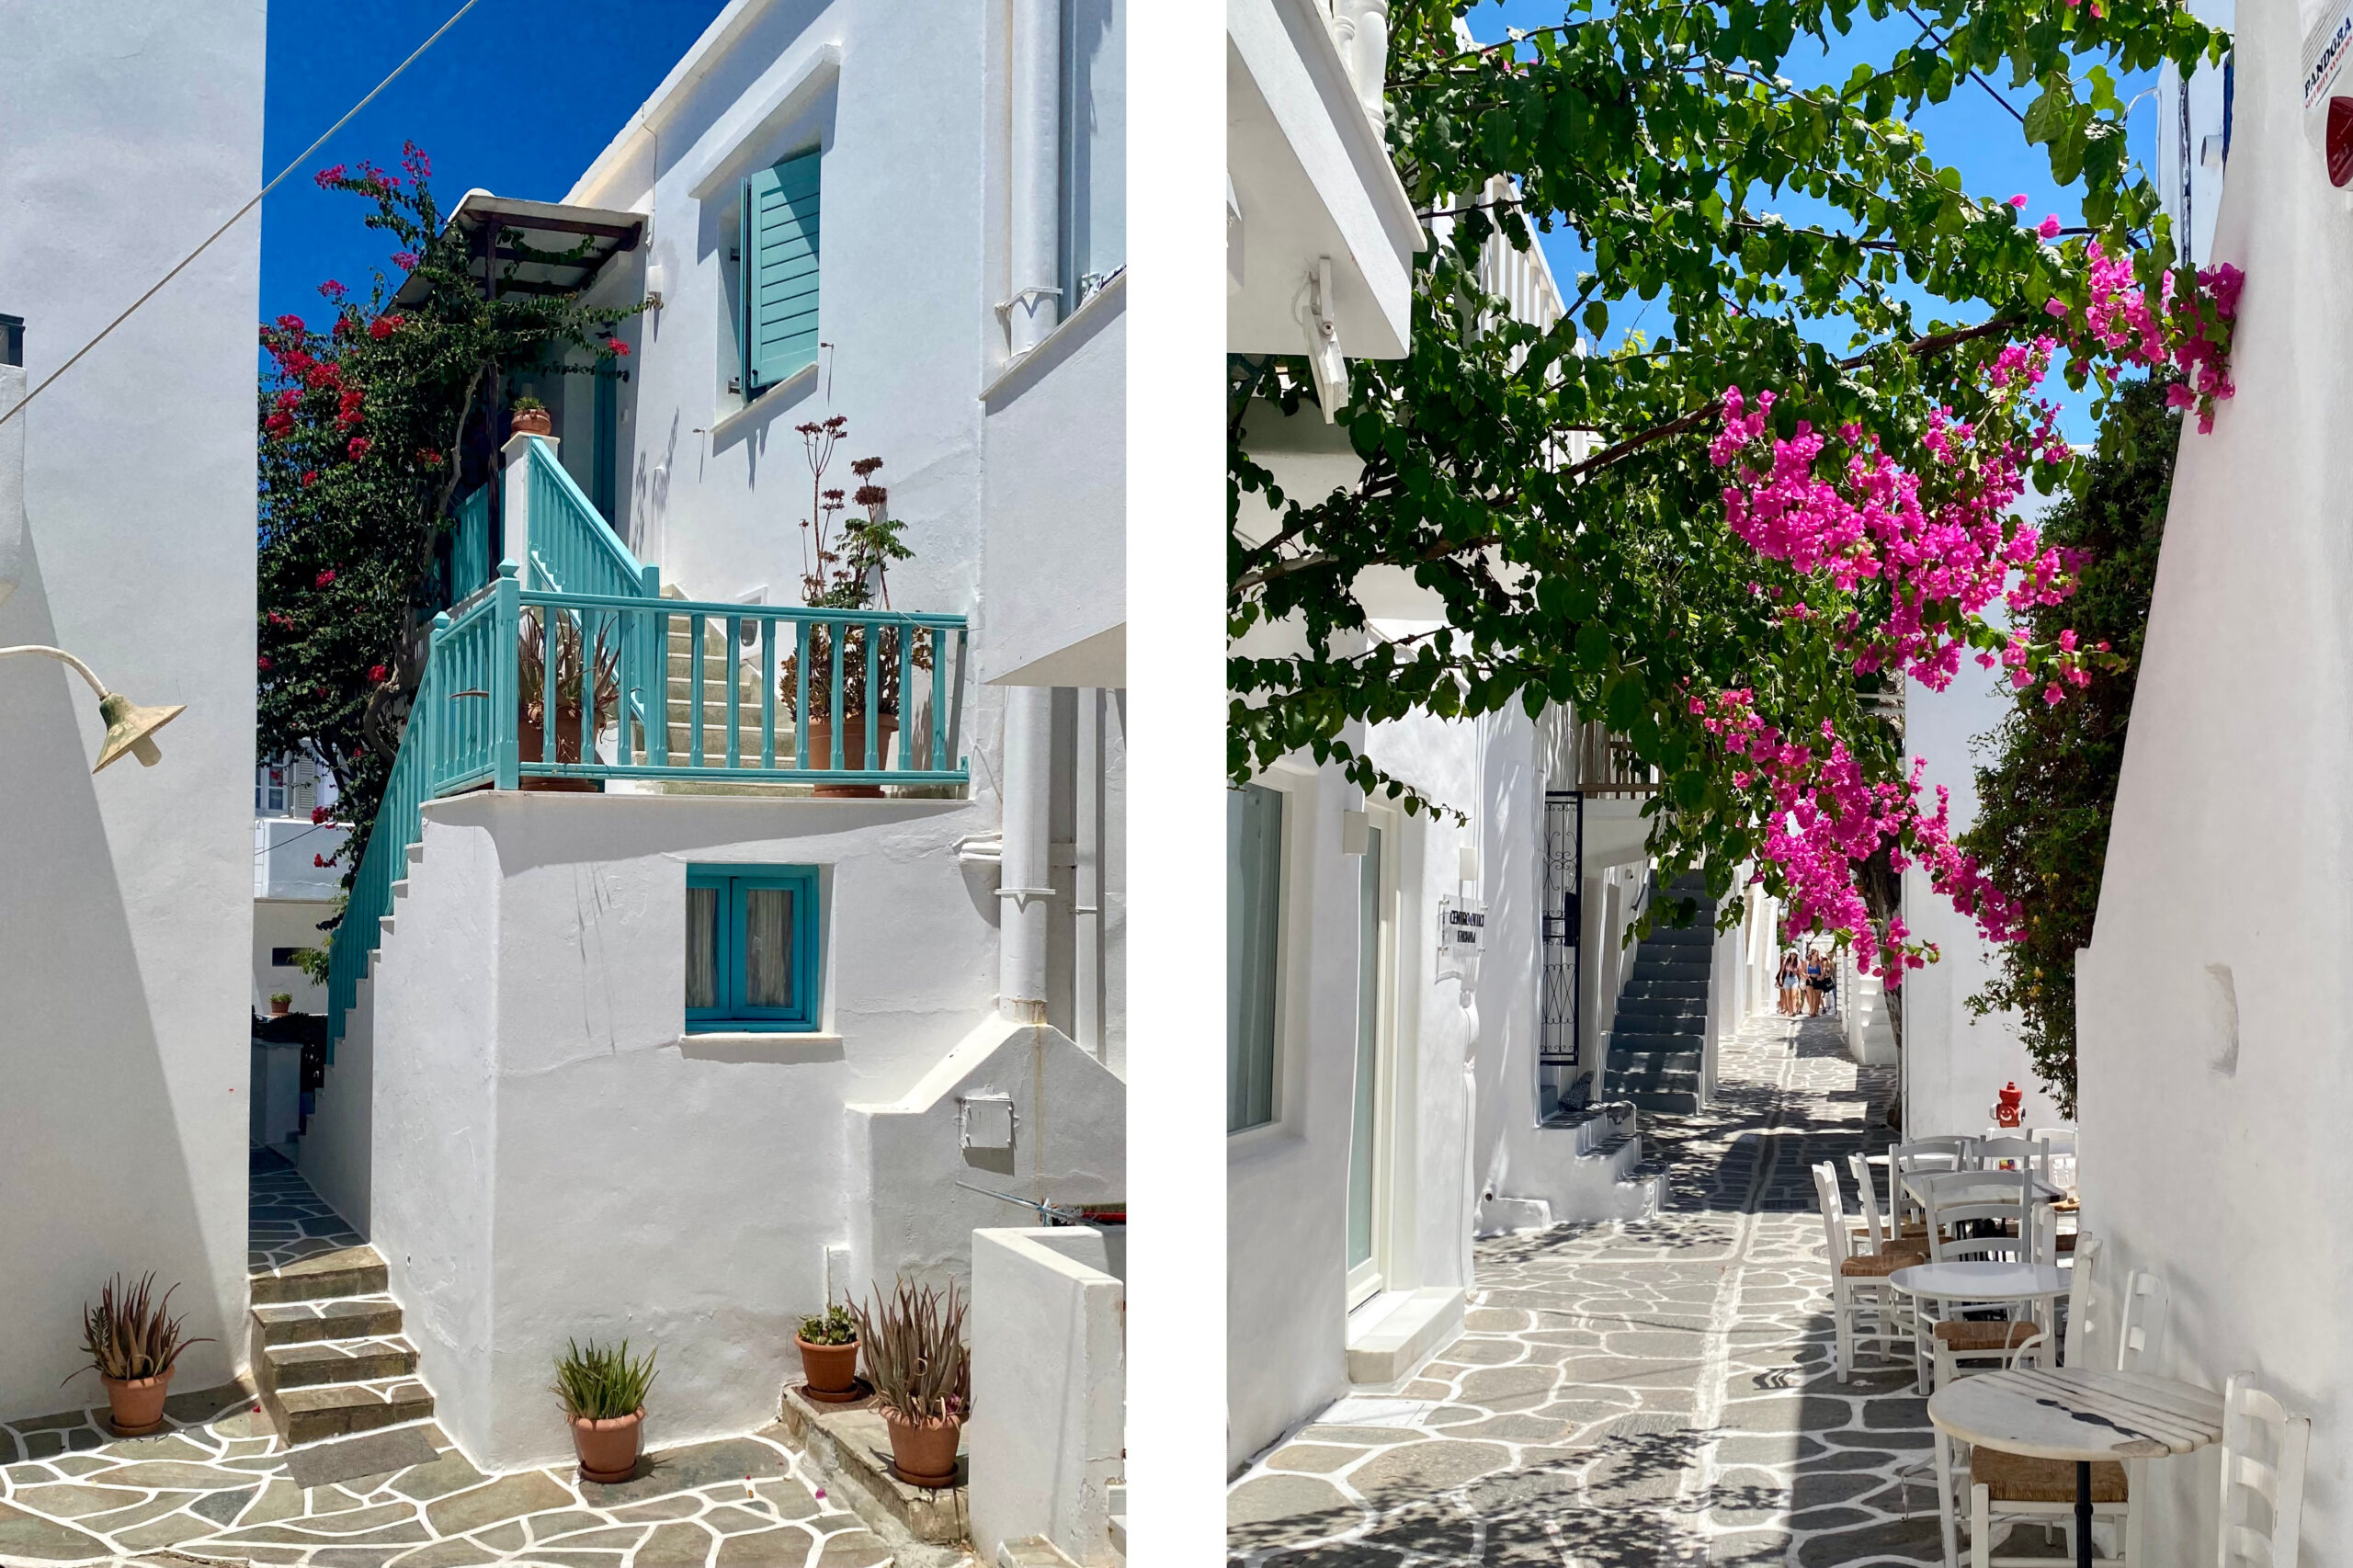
1657, 1392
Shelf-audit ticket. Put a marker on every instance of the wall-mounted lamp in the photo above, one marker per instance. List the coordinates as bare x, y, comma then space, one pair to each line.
130, 728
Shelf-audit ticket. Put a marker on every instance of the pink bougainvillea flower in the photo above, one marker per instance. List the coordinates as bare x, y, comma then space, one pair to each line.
359, 448
2018, 201
327, 176
617, 346
278, 424
262, 663
2049, 227
310, 477
325, 578
376, 673
332, 289
405, 260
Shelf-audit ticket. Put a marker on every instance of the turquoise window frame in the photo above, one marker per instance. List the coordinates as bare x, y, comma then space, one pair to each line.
733, 1015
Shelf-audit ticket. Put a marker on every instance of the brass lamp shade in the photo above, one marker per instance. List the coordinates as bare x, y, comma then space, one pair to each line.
131, 728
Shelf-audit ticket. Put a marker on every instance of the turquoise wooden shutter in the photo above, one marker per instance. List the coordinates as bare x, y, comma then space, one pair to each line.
780, 261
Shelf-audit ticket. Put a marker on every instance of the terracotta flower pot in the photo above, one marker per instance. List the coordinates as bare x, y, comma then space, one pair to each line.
924, 1455
821, 752
531, 421
136, 1404
608, 1449
828, 1369
530, 745
279, 1009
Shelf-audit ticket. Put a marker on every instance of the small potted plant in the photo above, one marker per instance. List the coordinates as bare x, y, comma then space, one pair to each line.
528, 417
829, 1354
921, 1373
133, 1342
280, 1002
603, 1389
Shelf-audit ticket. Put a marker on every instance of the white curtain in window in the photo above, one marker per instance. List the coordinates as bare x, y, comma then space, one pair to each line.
1253, 844
703, 946
768, 946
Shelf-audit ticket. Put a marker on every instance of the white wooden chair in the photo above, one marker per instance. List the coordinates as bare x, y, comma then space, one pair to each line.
1879, 1232
1939, 1154
2015, 1488
1947, 1344
2266, 1538
1858, 1281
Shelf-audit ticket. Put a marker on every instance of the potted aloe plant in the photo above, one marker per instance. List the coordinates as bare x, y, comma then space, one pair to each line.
528, 417
134, 1344
575, 730
921, 1373
279, 1001
846, 566
829, 1343
603, 1389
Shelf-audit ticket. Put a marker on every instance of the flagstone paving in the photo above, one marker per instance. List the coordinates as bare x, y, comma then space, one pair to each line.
215, 1488
1660, 1391
285, 1220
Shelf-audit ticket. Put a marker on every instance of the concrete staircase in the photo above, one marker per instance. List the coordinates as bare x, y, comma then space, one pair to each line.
327, 1348
1660, 1035
717, 658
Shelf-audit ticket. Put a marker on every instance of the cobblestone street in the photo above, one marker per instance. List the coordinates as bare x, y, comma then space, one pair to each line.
1659, 1393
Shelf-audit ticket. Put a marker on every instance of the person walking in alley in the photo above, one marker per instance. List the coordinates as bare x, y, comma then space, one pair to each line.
1788, 982
1816, 980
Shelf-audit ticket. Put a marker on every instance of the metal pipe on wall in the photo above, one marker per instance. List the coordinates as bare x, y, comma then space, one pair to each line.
1086, 904
1033, 305
1026, 889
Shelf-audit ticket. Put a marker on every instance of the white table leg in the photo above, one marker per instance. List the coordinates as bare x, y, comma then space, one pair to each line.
1946, 1515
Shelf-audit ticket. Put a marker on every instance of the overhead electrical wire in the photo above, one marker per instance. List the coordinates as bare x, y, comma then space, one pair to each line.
297, 162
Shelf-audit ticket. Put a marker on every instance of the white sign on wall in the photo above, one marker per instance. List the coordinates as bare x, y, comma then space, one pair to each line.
1462, 934
2328, 93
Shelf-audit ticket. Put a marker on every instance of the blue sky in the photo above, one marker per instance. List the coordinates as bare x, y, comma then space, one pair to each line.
517, 98
1969, 130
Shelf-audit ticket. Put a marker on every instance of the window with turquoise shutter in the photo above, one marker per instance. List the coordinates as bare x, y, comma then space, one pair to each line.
778, 251
752, 948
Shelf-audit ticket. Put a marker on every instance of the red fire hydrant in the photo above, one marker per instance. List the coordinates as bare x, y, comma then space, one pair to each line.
2009, 1105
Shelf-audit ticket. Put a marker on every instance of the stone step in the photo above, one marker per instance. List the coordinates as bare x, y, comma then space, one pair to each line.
351, 1271
1628, 1040
1670, 1102
318, 1362
303, 1323
1630, 1005
1680, 987
1694, 935
337, 1410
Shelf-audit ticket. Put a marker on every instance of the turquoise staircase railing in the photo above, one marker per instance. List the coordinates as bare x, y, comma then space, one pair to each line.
603, 638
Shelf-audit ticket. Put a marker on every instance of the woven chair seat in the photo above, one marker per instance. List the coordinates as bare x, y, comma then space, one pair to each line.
1878, 1265
2015, 1478
1959, 1333
2066, 1240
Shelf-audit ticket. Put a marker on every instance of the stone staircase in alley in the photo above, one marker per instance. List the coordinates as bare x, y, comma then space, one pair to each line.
717, 658
327, 1351
1659, 1036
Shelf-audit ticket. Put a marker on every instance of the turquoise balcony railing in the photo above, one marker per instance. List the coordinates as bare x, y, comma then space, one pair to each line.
569, 664
470, 546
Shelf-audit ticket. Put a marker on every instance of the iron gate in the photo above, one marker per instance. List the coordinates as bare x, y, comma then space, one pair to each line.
1558, 1039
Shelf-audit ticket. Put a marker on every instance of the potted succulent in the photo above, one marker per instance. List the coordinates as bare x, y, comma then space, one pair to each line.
603, 1391
528, 417
573, 730
829, 1354
280, 1002
921, 1373
846, 566
133, 1342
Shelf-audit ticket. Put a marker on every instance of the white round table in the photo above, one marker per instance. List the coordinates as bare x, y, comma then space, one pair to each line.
2075, 1414
1978, 1282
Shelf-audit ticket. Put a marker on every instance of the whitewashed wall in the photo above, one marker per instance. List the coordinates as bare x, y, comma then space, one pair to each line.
1955, 1062
2212, 1006
286, 923
128, 131
552, 1158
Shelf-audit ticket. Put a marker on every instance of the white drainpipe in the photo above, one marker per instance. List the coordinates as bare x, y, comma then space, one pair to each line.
12, 482
1086, 906
1034, 306
1026, 891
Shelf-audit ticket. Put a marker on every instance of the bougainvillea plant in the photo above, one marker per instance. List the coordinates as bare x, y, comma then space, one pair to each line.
1735, 540
372, 428
2047, 789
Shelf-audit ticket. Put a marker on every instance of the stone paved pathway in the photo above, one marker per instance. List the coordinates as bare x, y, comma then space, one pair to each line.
213, 1489
1657, 1392
285, 1220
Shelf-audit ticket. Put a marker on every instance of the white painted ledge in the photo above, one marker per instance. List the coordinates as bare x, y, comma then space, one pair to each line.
748, 1047
1396, 1331
767, 405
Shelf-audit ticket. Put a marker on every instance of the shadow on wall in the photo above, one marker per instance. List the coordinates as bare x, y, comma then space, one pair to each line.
92, 1161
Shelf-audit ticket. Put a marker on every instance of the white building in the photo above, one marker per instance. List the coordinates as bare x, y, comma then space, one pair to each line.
297, 874
1394, 1090
2195, 121
2212, 1002
571, 1098
128, 132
